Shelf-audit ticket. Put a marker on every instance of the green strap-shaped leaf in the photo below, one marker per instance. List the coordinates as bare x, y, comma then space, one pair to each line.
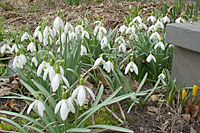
78, 130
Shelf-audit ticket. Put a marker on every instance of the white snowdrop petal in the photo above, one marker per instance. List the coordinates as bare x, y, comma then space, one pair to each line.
64, 111
30, 107
81, 96
58, 106
90, 92
41, 108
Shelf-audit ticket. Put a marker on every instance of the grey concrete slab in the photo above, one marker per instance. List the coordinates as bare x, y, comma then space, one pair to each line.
186, 67
185, 35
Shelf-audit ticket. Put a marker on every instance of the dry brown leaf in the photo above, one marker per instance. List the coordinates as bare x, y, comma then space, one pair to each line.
4, 91
192, 109
192, 130
103, 81
88, 84
152, 109
187, 117
12, 104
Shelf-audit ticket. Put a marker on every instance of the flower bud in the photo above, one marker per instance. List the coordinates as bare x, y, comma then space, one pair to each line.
194, 92
184, 94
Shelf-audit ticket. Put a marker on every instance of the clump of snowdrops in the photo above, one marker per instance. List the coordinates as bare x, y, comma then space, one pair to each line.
55, 61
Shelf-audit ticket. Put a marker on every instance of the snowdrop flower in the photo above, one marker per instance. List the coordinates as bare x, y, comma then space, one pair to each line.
19, 61
80, 92
5, 47
58, 23
152, 19
55, 82
85, 34
130, 30
122, 47
83, 50
38, 33
38, 104
165, 20
151, 57
155, 35
45, 41
15, 48
159, 25
42, 66
31, 47
123, 29
142, 26
151, 29
119, 40
68, 27
160, 44
34, 60
180, 20
65, 106
131, 67
137, 19
50, 70
79, 29
63, 38
47, 32
98, 61
108, 66
25, 36
104, 43
102, 32
162, 75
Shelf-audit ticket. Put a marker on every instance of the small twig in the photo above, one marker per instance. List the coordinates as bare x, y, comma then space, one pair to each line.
93, 119
82, 76
138, 113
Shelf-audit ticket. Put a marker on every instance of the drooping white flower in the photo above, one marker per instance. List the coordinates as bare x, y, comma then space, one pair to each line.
38, 33
50, 70
34, 60
130, 30
152, 19
47, 32
160, 44
102, 32
68, 27
47, 40
108, 66
122, 47
104, 42
80, 92
180, 20
39, 105
79, 29
25, 36
123, 29
98, 62
6, 47
65, 106
85, 34
155, 35
151, 57
15, 48
137, 19
42, 66
58, 23
151, 29
63, 38
83, 50
131, 67
159, 25
55, 82
72, 35
119, 40
19, 61
142, 26
165, 20
31, 47
162, 75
